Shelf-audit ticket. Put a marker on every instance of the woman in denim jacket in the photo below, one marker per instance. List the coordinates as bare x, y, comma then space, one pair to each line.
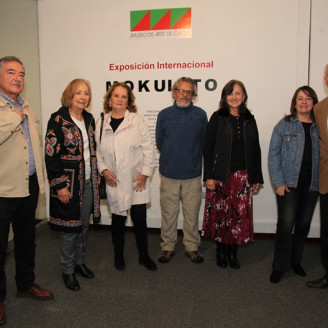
293, 165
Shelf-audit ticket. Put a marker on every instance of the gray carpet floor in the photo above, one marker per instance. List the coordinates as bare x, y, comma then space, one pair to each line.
179, 294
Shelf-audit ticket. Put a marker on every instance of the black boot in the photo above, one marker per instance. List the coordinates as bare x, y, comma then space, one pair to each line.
84, 271
221, 255
71, 281
119, 261
232, 256
118, 230
275, 276
147, 262
139, 219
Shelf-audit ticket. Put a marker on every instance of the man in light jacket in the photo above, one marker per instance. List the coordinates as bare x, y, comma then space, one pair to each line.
21, 179
321, 118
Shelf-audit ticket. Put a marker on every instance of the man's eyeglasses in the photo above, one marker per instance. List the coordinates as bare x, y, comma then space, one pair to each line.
188, 92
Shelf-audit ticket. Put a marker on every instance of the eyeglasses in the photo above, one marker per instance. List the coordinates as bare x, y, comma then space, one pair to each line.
182, 91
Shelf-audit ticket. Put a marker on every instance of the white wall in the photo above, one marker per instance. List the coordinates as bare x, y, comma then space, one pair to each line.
264, 44
19, 37
319, 47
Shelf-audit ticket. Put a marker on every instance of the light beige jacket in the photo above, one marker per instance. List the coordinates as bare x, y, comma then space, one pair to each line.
321, 120
14, 159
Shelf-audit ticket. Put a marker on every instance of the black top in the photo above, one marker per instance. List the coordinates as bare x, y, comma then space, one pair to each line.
115, 122
238, 149
306, 166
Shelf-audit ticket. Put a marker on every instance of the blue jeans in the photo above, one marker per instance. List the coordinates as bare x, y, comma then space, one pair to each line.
72, 245
295, 210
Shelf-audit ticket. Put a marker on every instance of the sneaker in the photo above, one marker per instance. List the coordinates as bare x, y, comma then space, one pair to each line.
165, 256
195, 256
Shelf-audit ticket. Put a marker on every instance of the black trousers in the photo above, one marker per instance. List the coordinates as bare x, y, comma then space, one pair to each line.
20, 211
139, 219
295, 210
324, 231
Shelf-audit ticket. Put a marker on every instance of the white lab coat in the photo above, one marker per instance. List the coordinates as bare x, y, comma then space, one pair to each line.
127, 152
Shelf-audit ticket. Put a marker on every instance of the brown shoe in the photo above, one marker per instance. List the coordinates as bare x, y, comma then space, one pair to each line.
2, 315
165, 256
36, 292
319, 283
195, 256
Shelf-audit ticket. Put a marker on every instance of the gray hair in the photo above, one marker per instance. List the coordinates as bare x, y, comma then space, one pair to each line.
188, 80
9, 59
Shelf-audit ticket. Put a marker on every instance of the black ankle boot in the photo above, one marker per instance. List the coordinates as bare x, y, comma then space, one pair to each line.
297, 268
275, 276
71, 281
221, 255
147, 262
84, 271
232, 256
119, 261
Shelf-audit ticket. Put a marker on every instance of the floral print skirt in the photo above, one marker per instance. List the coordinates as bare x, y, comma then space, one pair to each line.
228, 213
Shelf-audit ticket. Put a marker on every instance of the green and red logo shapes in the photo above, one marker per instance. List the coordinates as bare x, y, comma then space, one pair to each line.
160, 19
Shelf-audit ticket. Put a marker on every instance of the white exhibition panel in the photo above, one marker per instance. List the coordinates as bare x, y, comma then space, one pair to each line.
258, 42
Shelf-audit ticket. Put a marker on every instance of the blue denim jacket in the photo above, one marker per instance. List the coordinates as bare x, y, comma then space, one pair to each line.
286, 153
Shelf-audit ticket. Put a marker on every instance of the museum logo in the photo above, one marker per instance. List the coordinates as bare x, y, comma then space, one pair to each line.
160, 23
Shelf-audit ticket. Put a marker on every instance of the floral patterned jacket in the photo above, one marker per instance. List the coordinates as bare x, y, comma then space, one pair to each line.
65, 168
